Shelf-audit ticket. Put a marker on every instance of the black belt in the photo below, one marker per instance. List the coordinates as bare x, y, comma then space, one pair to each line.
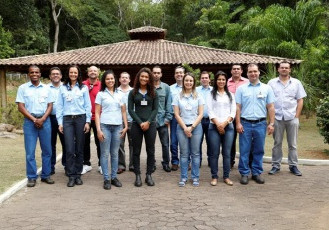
74, 116
37, 115
253, 121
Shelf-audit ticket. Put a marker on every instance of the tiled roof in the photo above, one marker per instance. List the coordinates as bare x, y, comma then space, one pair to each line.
147, 29
144, 52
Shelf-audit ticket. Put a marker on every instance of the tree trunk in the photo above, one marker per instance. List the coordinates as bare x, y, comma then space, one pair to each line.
55, 17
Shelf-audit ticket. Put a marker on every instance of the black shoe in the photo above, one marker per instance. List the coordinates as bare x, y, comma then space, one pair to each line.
52, 173
294, 170
148, 180
48, 180
244, 179
31, 182
138, 181
78, 181
107, 185
274, 171
116, 182
258, 179
71, 182
166, 168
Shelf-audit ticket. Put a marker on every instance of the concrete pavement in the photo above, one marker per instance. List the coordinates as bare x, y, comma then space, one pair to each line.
285, 201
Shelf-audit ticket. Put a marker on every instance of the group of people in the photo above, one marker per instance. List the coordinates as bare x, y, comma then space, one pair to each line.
186, 112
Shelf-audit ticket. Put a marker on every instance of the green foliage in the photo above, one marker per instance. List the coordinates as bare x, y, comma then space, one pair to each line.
26, 27
196, 73
322, 122
5, 42
11, 115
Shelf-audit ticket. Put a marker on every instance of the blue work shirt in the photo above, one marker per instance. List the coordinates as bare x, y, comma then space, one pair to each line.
35, 98
204, 92
175, 89
54, 91
73, 101
253, 100
111, 107
125, 100
286, 97
165, 111
188, 107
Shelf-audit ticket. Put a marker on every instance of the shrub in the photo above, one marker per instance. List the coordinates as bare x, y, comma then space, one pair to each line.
11, 115
323, 118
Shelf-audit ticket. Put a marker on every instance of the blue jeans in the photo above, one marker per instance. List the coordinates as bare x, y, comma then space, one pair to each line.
252, 139
205, 124
31, 134
189, 147
174, 141
216, 140
164, 139
54, 132
74, 137
110, 145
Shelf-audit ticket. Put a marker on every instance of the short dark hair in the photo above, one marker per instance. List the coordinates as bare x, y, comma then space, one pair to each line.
284, 62
55, 68
236, 64
204, 72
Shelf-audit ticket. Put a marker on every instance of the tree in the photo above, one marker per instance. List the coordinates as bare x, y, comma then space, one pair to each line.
55, 15
283, 31
29, 35
5, 41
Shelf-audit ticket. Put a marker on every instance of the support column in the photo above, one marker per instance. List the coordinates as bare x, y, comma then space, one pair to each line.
3, 90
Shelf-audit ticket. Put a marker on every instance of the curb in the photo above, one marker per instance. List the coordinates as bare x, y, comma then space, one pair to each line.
20, 184
308, 162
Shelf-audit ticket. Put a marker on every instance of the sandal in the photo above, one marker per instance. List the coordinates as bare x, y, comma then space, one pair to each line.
228, 182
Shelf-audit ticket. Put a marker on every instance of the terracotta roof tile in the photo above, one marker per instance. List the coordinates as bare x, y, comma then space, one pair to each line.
146, 52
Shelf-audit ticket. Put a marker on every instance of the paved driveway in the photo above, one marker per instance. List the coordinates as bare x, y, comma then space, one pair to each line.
283, 202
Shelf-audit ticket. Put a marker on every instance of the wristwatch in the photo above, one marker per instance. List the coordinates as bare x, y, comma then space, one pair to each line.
271, 124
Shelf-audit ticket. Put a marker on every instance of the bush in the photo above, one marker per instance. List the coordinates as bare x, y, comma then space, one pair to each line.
11, 115
323, 118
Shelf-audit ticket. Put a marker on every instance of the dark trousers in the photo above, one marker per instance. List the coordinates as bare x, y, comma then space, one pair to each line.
164, 139
74, 141
149, 136
205, 124
122, 152
233, 149
86, 152
54, 132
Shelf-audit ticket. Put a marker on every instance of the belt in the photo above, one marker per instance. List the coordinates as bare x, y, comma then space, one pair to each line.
205, 118
37, 115
253, 121
74, 116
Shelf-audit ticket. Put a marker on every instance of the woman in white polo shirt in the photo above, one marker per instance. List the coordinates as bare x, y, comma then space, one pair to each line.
110, 111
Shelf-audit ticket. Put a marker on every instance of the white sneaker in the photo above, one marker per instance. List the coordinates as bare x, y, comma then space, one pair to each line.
86, 168
100, 170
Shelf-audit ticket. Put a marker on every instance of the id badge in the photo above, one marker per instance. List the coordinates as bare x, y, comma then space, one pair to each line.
188, 107
260, 95
68, 98
143, 102
42, 100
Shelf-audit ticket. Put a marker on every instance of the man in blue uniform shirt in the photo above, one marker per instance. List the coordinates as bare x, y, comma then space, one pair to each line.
35, 102
254, 100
